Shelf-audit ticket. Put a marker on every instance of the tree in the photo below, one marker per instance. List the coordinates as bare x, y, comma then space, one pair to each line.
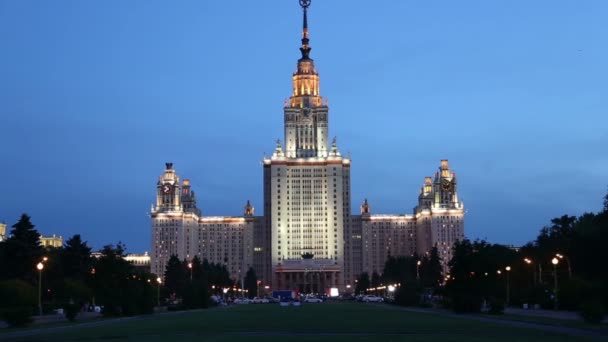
477, 272
76, 258
251, 283
119, 287
375, 279
363, 283
23, 250
606, 203
431, 269
175, 276
399, 270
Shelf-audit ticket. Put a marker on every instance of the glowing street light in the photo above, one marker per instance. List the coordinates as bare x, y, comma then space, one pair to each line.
508, 269
40, 267
555, 261
418, 269
567, 264
190, 267
159, 281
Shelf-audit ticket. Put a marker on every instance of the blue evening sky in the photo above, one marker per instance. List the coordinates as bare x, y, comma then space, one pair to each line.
95, 96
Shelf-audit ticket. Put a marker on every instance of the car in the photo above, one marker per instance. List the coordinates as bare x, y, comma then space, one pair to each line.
313, 300
242, 301
259, 300
370, 298
273, 299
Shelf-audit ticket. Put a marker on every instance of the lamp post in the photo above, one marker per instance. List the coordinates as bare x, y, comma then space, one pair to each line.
190, 267
158, 280
529, 262
93, 275
561, 256
555, 261
40, 266
418, 270
508, 269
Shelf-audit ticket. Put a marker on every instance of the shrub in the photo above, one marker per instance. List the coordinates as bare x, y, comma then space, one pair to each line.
572, 292
17, 317
17, 293
75, 291
466, 302
71, 311
497, 307
407, 296
592, 311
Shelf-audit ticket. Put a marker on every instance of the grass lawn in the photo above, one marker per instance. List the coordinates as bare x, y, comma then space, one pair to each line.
312, 322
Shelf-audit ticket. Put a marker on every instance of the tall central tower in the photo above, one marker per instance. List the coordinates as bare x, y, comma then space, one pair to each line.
307, 188
306, 125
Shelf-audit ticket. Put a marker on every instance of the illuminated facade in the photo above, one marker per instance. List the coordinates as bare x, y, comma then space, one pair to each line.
178, 228
2, 231
437, 220
307, 238
139, 260
307, 188
51, 241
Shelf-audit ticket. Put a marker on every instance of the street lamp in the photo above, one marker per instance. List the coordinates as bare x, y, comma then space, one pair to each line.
190, 267
418, 269
508, 269
158, 280
529, 262
40, 266
555, 261
567, 264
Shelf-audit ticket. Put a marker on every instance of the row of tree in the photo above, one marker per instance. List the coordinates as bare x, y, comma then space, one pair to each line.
564, 267
68, 277
71, 278
415, 275
192, 282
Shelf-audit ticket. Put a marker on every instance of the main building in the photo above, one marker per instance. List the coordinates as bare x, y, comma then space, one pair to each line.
307, 238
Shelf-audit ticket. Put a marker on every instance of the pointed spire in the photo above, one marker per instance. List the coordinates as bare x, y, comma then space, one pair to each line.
305, 49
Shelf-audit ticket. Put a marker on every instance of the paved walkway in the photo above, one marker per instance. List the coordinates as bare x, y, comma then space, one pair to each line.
566, 315
506, 321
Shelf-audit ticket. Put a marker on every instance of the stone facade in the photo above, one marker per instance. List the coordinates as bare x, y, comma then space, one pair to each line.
307, 239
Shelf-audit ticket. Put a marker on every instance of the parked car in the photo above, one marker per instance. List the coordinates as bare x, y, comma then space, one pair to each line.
370, 298
259, 300
242, 301
313, 300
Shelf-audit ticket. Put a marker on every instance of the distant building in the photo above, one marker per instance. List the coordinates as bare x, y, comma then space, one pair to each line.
2, 231
51, 241
139, 260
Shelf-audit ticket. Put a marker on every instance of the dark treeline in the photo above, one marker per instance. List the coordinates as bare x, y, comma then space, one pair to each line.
67, 278
563, 268
411, 276
73, 280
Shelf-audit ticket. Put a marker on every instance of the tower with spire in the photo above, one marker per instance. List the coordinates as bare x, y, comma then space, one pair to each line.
307, 187
307, 238
306, 112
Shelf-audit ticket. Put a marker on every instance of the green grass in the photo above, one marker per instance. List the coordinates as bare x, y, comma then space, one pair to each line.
313, 322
